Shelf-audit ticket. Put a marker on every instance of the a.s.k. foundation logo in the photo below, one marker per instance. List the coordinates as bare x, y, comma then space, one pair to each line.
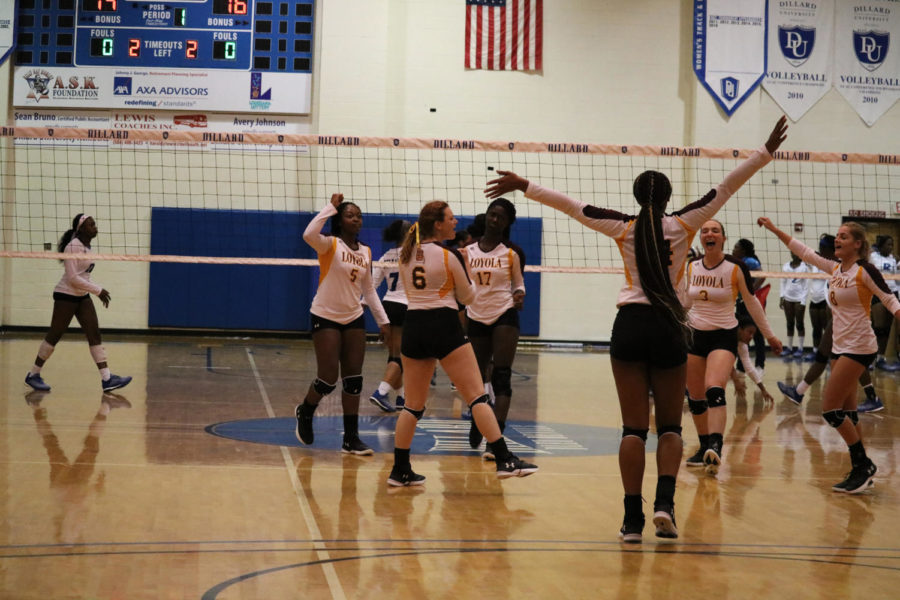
39, 84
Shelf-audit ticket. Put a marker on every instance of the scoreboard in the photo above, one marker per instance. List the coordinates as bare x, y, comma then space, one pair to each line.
217, 55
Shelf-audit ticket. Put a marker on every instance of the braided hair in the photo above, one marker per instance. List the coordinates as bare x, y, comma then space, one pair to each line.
652, 191
69, 234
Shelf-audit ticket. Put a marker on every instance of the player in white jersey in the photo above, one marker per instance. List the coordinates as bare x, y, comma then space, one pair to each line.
713, 283
497, 266
819, 313
882, 256
338, 326
792, 300
72, 298
853, 283
435, 278
394, 303
648, 346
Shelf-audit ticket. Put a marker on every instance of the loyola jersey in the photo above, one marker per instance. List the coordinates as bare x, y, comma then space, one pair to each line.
496, 274
435, 277
850, 297
679, 228
395, 291
344, 275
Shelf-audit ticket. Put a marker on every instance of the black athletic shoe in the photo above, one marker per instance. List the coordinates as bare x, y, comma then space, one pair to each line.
664, 520
697, 459
712, 458
404, 477
632, 531
304, 431
514, 466
475, 436
841, 486
356, 446
860, 478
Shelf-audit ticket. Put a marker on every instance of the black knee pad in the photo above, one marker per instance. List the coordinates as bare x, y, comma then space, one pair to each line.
697, 407
483, 399
821, 358
416, 413
853, 416
638, 433
661, 431
500, 381
834, 417
715, 397
396, 359
352, 384
322, 388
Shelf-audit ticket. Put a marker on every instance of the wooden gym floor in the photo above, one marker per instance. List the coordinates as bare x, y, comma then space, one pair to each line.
189, 484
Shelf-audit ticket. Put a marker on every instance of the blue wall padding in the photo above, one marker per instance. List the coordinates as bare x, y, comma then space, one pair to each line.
268, 297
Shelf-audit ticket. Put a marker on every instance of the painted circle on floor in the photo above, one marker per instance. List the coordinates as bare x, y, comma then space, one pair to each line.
434, 436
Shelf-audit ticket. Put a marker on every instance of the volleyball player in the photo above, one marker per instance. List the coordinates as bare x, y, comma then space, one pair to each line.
792, 300
435, 277
745, 251
394, 303
746, 329
820, 312
713, 283
648, 349
338, 326
497, 266
853, 282
882, 257
72, 298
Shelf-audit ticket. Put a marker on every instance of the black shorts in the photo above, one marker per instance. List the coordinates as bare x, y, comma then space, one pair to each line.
396, 312
318, 323
478, 329
641, 333
69, 298
704, 342
863, 359
433, 333
818, 305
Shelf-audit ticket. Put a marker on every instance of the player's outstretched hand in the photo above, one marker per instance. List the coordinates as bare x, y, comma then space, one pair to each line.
778, 135
507, 182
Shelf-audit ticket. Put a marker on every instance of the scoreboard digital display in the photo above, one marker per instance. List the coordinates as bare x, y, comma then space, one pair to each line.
264, 46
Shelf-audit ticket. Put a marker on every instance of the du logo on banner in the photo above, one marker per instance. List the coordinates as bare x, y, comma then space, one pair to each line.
796, 43
730, 87
871, 48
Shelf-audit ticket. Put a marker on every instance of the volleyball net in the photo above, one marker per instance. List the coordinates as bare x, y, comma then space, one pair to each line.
238, 193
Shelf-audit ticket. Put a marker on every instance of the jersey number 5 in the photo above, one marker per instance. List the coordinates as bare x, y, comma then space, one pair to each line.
418, 278
353, 274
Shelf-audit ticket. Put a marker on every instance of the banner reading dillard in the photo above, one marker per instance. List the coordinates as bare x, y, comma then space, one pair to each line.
867, 55
730, 48
799, 56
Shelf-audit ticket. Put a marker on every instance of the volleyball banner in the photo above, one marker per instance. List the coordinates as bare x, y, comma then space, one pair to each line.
867, 56
799, 68
7, 30
730, 48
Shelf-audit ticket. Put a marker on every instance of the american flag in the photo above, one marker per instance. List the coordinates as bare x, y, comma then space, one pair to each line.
504, 34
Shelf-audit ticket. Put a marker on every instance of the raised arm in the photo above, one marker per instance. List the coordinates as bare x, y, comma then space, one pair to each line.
806, 254
312, 235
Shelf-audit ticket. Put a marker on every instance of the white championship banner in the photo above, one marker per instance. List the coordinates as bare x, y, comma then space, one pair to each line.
799, 70
867, 56
730, 48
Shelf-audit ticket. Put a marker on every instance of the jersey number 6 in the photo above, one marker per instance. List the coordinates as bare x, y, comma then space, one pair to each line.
418, 278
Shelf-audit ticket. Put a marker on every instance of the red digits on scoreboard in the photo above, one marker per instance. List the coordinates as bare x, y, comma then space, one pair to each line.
237, 7
134, 47
111, 4
191, 50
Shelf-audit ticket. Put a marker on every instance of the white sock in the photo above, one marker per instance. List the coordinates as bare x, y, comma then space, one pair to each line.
400, 391
800, 343
384, 388
802, 387
104, 374
790, 343
35, 370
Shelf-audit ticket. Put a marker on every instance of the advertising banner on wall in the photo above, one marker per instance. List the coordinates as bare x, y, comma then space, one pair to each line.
730, 48
799, 69
867, 55
7, 29
95, 88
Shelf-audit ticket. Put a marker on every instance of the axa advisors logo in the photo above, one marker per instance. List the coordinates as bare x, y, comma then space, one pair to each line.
122, 86
259, 99
796, 43
39, 84
871, 48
